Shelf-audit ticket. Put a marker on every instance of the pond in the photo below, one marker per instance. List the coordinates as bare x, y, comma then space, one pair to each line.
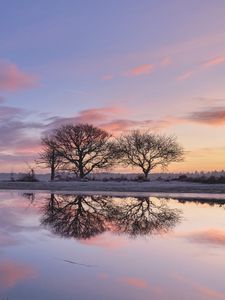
56, 246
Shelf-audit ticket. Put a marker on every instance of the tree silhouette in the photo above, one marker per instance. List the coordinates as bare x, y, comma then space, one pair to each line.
49, 156
148, 150
84, 148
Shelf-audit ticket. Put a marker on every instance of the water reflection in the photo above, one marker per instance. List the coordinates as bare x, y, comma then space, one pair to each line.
96, 257
83, 217
144, 216
77, 216
12, 272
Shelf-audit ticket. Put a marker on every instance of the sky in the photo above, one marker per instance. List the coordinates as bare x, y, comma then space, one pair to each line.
120, 65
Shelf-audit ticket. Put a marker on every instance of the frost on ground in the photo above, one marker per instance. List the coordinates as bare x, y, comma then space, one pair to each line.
128, 187
120, 183
110, 176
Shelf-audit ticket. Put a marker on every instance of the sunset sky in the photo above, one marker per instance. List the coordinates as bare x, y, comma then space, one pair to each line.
118, 64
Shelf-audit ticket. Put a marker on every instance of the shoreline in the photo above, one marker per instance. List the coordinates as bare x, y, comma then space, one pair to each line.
111, 187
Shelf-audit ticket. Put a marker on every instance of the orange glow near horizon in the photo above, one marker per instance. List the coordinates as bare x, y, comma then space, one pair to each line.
202, 159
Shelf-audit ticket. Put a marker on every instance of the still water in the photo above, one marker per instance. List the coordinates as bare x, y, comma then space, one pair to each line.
96, 247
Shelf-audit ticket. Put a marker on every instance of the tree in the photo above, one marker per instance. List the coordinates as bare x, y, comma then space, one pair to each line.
49, 157
148, 150
29, 176
84, 148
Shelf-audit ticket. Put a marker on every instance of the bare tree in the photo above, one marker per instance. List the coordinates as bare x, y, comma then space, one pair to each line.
84, 148
29, 176
49, 157
148, 150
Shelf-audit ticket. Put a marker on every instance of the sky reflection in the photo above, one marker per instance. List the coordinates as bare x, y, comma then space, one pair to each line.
69, 246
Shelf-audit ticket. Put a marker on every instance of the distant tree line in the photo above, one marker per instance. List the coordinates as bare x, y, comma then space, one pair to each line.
201, 179
84, 148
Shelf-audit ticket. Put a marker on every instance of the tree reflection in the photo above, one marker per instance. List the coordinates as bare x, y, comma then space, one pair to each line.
83, 217
141, 216
77, 216
201, 201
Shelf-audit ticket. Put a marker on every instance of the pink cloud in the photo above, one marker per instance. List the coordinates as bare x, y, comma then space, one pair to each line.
140, 70
143, 69
107, 77
121, 125
165, 62
107, 118
28, 147
208, 64
135, 282
13, 79
13, 272
185, 75
92, 115
95, 116
213, 294
117, 126
98, 114
211, 116
103, 276
214, 62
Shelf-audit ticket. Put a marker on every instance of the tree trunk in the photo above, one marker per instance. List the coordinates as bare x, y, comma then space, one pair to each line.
52, 173
81, 167
81, 171
53, 160
52, 170
81, 174
146, 175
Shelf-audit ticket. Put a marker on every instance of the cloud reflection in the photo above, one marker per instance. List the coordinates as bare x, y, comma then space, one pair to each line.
201, 289
103, 241
135, 282
212, 236
13, 272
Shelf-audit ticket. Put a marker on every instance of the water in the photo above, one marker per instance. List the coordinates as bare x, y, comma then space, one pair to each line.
75, 247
